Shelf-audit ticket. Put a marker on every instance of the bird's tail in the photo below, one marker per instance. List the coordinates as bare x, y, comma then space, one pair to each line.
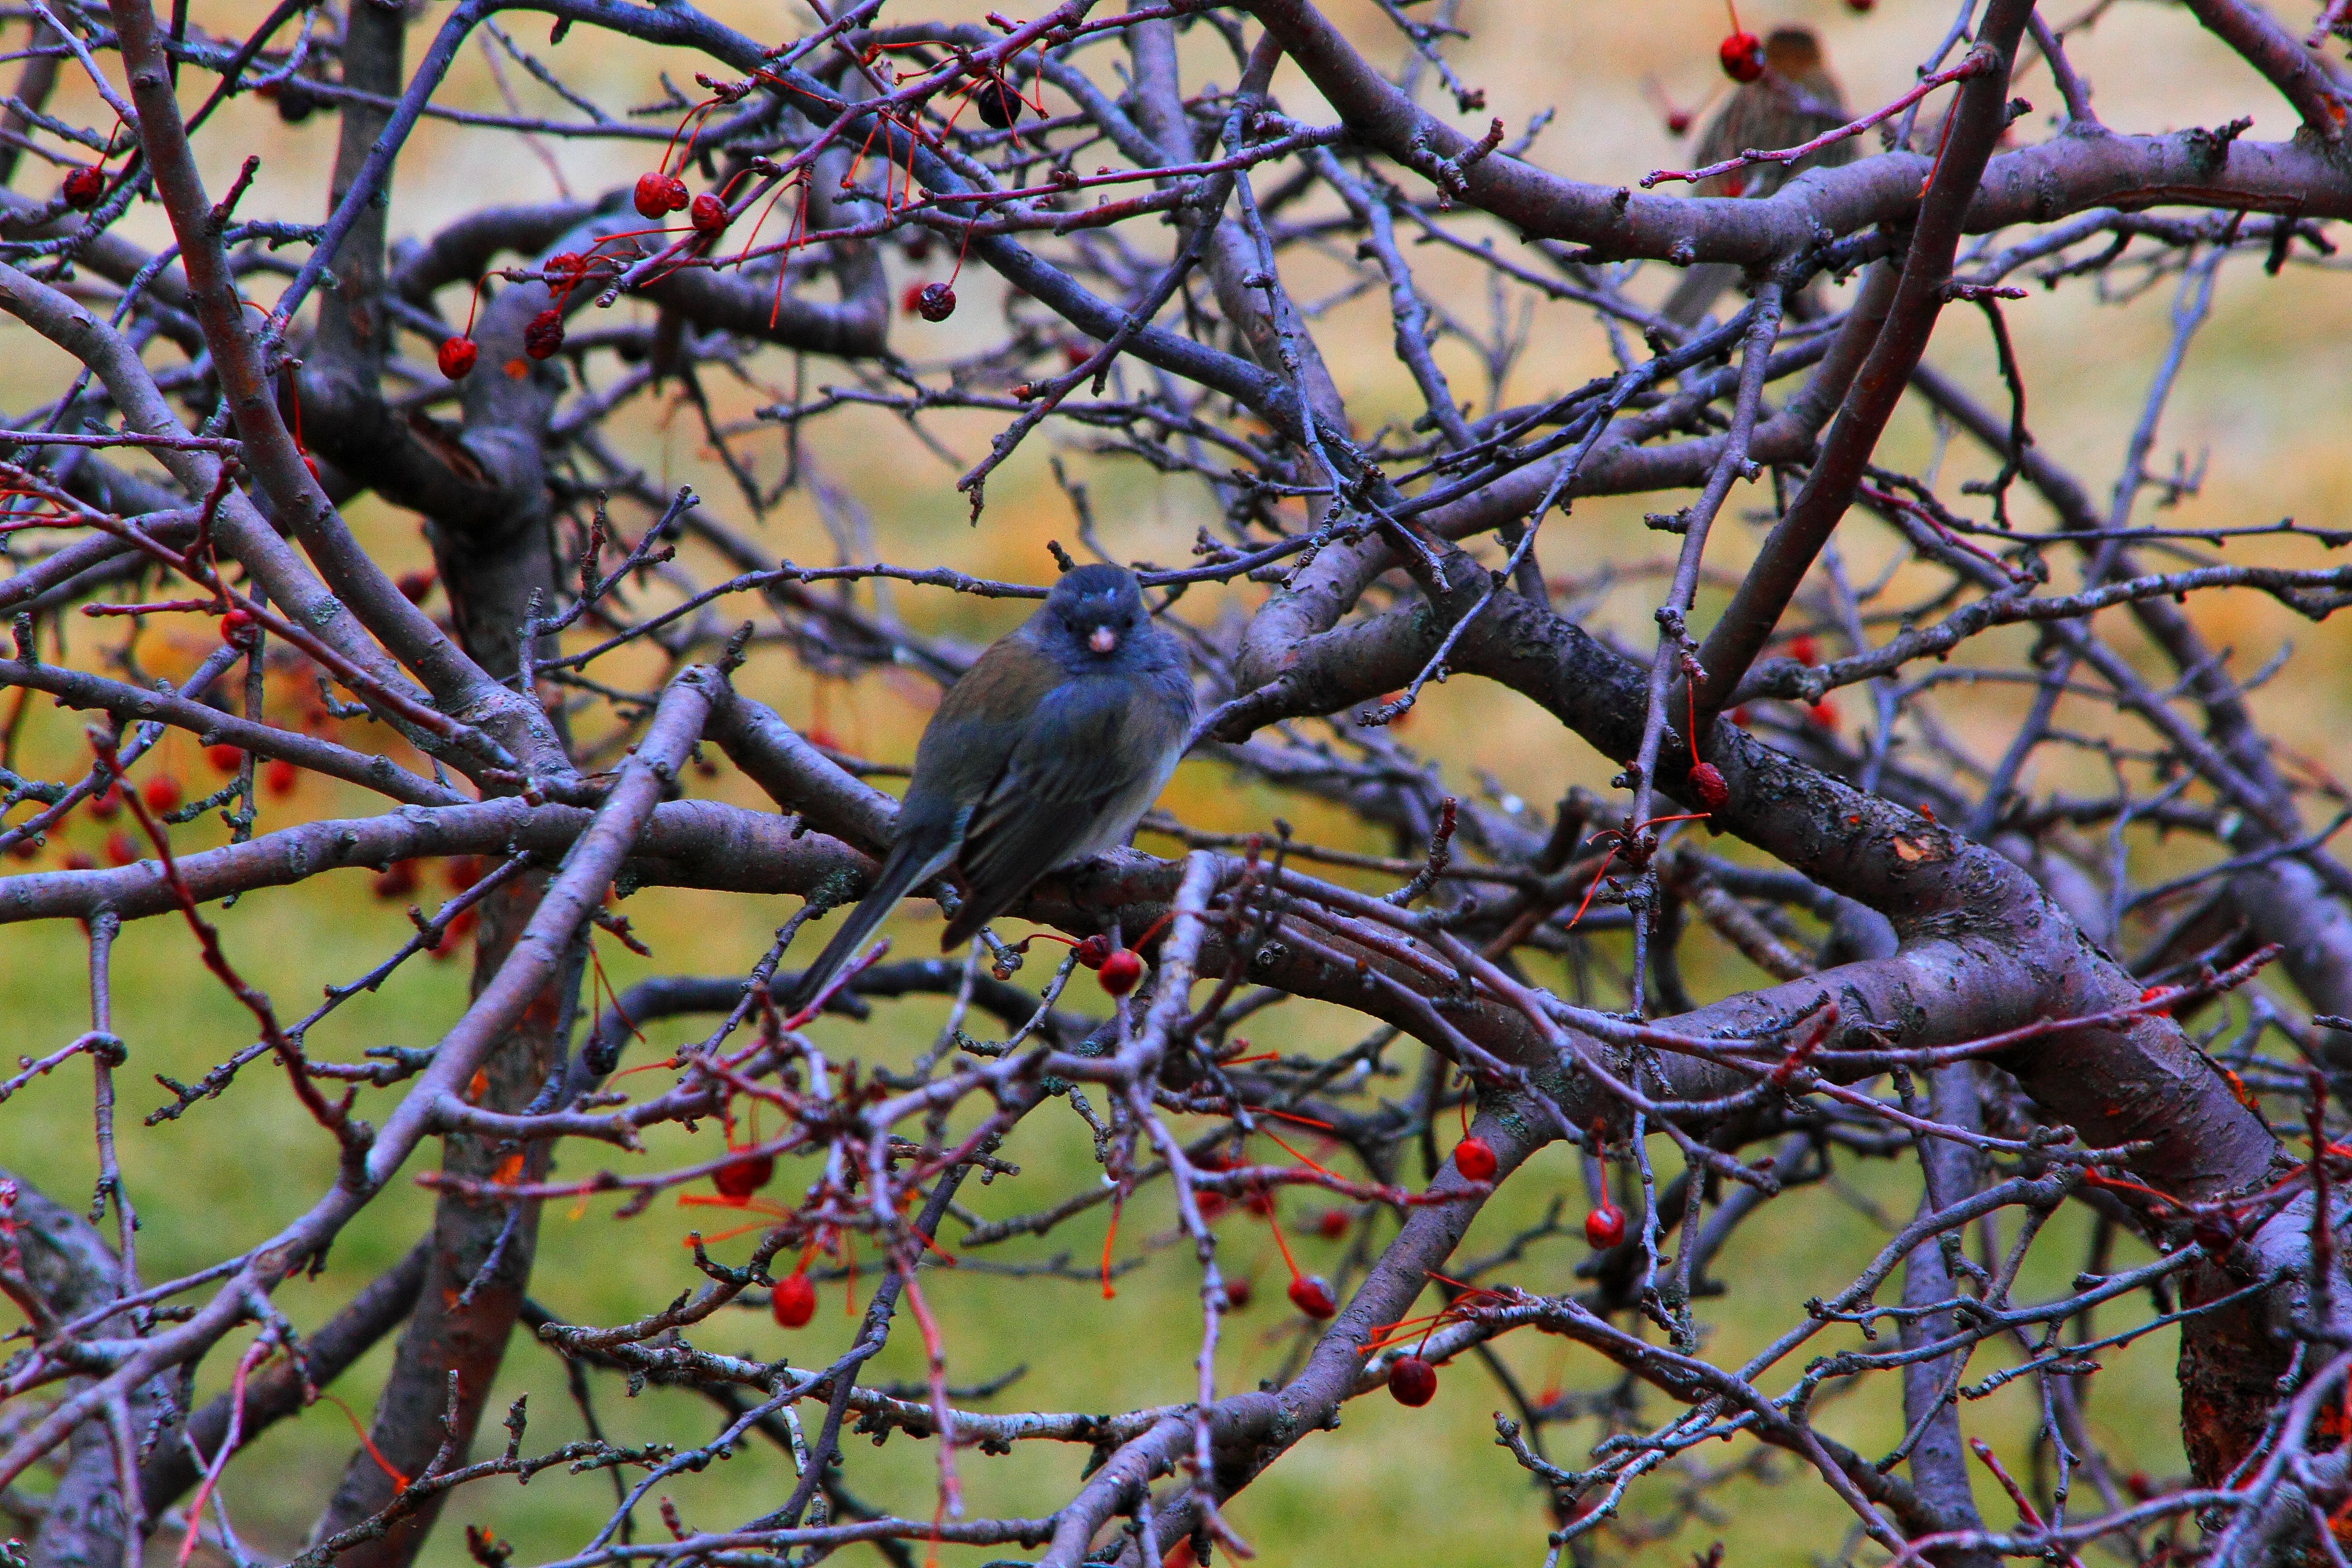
907, 866
1695, 293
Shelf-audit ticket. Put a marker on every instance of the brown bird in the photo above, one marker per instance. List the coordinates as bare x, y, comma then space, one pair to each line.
1793, 101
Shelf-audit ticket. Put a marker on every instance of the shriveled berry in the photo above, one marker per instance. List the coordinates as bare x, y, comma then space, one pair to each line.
1312, 1296
998, 104
1707, 784
1741, 54
83, 187
1475, 1158
1411, 1381
279, 778
1604, 1227
1120, 972
739, 1178
1090, 954
122, 849
794, 1301
936, 303
162, 794
651, 196
456, 356
544, 335
709, 215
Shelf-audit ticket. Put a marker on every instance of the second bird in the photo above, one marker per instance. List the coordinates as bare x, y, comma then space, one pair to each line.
1049, 750
1793, 101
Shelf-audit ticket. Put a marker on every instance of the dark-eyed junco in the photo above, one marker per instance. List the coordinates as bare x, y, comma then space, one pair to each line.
1049, 750
1793, 101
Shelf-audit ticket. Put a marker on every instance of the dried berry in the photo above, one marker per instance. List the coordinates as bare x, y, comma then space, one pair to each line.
794, 1301
456, 356
1707, 786
936, 303
226, 758
1742, 56
1411, 1381
739, 1178
1475, 1158
544, 335
998, 104
162, 794
658, 195
1604, 1227
1312, 1296
709, 215
83, 187
1090, 954
1120, 972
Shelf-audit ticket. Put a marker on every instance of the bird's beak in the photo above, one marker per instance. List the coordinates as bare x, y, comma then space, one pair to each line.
1102, 640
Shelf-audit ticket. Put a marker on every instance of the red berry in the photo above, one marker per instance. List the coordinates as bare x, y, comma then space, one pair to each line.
2214, 1232
1332, 1224
1237, 1295
1706, 783
1803, 651
122, 849
709, 215
739, 1178
1411, 1381
25, 848
544, 335
936, 303
1475, 1158
1604, 1227
1211, 1206
396, 880
106, 803
236, 628
1739, 716
1863, 8
998, 104
1678, 122
1259, 1201
1742, 56
452, 934
1823, 715
280, 777
652, 196
162, 794
458, 356
78, 861
1090, 954
910, 298
413, 586
1120, 972
83, 187
227, 759
794, 1301
464, 872
1312, 1296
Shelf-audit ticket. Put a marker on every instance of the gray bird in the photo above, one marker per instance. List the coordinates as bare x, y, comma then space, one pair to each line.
1048, 751
1793, 101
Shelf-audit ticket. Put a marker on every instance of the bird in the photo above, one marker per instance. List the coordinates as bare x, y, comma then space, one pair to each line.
1793, 101
1047, 752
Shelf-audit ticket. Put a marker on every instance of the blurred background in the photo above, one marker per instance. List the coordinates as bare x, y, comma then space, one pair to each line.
2260, 413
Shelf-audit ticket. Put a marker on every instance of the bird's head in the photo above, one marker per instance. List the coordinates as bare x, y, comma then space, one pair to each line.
1099, 607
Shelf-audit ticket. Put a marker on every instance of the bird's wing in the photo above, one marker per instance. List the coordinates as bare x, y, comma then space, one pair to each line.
1091, 742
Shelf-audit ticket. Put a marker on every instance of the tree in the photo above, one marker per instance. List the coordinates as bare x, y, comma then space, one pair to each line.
1939, 937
